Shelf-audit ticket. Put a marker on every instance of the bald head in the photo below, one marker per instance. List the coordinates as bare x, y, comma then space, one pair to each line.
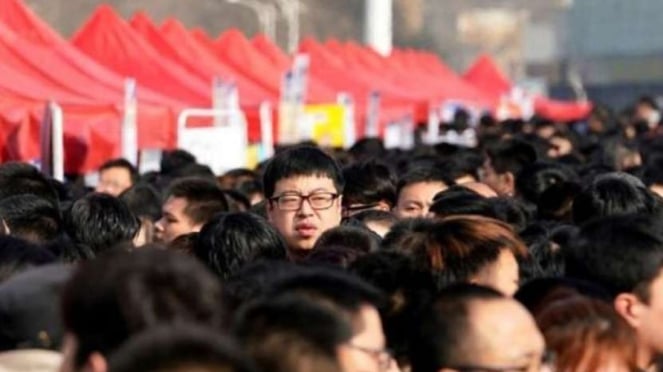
468, 328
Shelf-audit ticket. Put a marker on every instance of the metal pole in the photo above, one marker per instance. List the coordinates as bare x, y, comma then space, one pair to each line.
378, 25
290, 9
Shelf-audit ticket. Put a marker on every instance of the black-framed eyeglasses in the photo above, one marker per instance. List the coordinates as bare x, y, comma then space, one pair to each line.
383, 356
348, 210
293, 202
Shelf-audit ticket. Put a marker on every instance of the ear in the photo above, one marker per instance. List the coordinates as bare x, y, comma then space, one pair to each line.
629, 307
96, 363
509, 183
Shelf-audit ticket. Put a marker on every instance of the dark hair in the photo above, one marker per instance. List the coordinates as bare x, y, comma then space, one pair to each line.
30, 217
143, 200
446, 326
408, 290
121, 163
610, 195
459, 200
204, 198
179, 348
544, 243
534, 179
356, 238
511, 156
404, 232
421, 173
344, 292
185, 243
193, 170
369, 183
291, 334
175, 159
556, 203
237, 202
653, 169
463, 162
98, 222
230, 241
537, 294
17, 255
598, 253
117, 295
20, 178
367, 148
301, 161
373, 215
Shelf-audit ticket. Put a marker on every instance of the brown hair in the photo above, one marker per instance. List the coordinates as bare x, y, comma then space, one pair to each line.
586, 334
458, 247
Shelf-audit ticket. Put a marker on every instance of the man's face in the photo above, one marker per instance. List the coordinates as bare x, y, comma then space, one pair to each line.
503, 337
414, 200
496, 181
174, 221
114, 181
302, 227
650, 324
366, 350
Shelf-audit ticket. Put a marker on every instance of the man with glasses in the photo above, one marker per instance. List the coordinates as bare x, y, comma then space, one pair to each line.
303, 186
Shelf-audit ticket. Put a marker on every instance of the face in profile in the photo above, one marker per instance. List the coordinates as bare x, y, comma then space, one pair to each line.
415, 200
304, 207
366, 351
502, 275
174, 221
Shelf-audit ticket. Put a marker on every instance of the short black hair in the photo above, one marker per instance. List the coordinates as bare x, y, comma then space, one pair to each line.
406, 230
123, 293
621, 253
179, 348
143, 200
423, 173
534, 179
446, 326
545, 243
373, 215
612, 194
356, 238
175, 159
458, 200
17, 255
31, 217
511, 155
301, 161
204, 198
346, 293
556, 203
121, 163
230, 241
368, 183
21, 178
289, 333
99, 222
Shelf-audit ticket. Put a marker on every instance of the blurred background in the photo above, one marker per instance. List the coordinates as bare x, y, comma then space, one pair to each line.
608, 49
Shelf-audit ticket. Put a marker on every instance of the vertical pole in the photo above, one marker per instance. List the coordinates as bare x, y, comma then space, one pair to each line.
378, 25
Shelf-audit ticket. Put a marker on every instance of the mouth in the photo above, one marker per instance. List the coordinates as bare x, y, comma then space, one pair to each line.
306, 230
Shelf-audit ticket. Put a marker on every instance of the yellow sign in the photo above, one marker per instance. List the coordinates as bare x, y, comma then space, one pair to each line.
326, 124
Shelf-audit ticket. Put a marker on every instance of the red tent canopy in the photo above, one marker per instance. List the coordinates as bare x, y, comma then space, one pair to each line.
270, 50
109, 40
485, 75
189, 48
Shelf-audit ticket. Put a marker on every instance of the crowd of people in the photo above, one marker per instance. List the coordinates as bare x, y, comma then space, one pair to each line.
541, 249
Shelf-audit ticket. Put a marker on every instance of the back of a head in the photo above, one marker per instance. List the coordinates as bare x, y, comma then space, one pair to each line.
230, 241
459, 200
534, 179
120, 294
204, 198
459, 248
31, 217
612, 194
343, 291
179, 348
511, 156
22, 178
445, 330
291, 334
143, 201
18, 255
173, 160
99, 222
367, 148
301, 161
406, 234
619, 253
556, 203
587, 334
369, 183
356, 238
29, 311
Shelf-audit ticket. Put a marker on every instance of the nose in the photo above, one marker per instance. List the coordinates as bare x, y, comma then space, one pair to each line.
158, 226
306, 208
